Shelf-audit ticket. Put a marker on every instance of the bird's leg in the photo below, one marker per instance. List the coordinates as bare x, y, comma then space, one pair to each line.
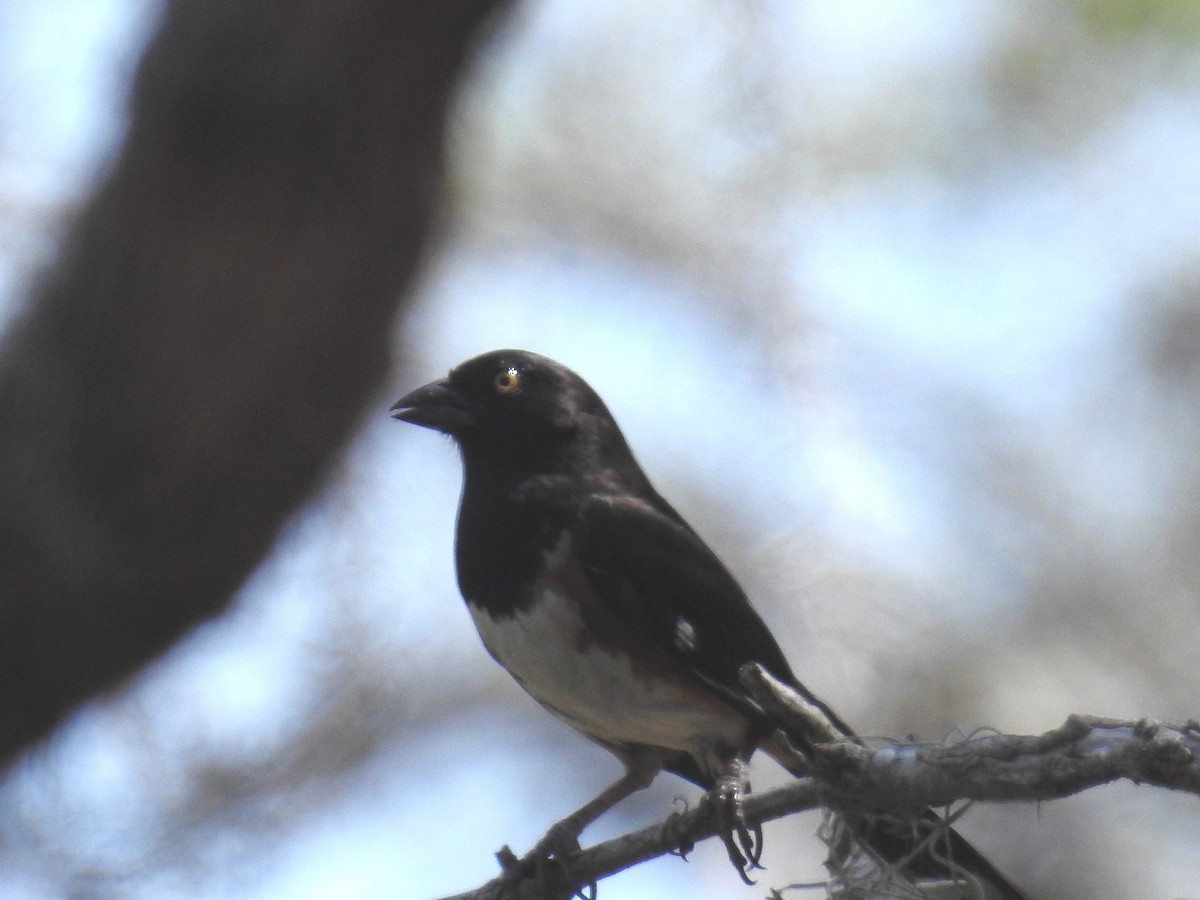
742, 843
566, 831
563, 837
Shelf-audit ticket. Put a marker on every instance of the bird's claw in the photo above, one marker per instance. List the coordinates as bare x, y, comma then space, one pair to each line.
556, 847
674, 833
553, 849
743, 843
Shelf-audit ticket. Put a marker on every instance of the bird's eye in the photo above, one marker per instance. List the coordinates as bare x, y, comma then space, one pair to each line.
508, 381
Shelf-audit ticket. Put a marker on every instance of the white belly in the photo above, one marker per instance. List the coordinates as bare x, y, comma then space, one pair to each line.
599, 693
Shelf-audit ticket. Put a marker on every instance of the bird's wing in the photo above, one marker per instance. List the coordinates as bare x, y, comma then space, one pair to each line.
659, 575
666, 582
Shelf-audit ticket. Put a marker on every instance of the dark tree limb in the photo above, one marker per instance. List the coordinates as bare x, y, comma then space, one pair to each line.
906, 778
220, 312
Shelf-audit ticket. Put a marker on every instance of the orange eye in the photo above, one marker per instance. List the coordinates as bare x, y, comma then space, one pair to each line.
508, 381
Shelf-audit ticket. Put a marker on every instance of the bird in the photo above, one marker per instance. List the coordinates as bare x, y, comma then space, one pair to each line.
608, 608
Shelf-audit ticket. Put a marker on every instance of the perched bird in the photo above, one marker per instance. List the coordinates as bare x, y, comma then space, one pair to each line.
609, 610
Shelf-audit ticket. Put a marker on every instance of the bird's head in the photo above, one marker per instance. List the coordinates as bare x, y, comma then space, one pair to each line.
518, 407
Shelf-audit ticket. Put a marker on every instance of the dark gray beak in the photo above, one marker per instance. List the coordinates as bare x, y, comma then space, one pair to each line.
437, 406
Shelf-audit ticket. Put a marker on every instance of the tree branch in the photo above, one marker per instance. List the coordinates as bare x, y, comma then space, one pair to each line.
1084, 752
612, 856
904, 778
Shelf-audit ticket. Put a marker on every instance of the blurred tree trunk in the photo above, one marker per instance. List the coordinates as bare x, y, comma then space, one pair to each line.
218, 315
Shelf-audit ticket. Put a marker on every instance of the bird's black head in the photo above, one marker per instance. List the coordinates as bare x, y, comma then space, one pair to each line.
520, 410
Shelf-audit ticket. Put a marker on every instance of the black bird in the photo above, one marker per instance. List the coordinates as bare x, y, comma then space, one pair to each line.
609, 610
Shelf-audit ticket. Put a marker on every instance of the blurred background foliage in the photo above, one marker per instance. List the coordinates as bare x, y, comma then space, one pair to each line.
899, 303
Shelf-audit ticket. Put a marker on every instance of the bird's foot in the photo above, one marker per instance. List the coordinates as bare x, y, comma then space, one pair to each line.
674, 833
552, 851
742, 842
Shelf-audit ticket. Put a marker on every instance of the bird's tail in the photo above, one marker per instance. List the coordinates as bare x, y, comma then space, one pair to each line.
918, 856
921, 857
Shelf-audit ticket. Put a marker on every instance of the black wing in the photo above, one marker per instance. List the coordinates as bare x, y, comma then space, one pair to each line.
658, 572
665, 580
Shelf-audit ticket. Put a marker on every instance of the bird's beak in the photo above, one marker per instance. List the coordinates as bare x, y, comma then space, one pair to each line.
437, 406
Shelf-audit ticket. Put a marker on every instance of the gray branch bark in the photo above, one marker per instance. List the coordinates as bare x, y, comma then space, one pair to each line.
220, 312
907, 778
1084, 752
